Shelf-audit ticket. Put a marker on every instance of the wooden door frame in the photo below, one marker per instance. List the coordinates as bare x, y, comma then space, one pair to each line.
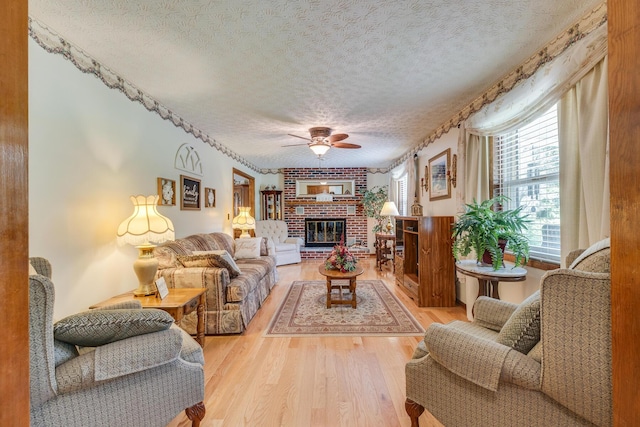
252, 195
14, 214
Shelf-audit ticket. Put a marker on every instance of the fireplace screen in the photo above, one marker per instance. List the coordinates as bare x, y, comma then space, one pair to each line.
324, 232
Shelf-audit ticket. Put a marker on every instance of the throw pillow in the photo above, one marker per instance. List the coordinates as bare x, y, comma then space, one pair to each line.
248, 248
264, 250
98, 327
597, 258
522, 331
218, 259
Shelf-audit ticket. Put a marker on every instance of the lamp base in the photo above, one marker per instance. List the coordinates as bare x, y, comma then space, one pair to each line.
244, 235
389, 226
145, 268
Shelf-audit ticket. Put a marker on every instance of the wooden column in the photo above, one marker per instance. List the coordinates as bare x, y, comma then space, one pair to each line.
624, 133
14, 210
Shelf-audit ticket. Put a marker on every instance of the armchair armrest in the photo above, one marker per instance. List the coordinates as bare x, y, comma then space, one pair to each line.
119, 358
492, 313
475, 359
295, 240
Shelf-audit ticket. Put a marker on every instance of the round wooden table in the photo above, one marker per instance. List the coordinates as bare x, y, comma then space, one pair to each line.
337, 275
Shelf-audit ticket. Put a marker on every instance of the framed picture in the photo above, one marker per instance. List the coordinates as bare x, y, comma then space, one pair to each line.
439, 184
161, 285
209, 197
166, 192
189, 193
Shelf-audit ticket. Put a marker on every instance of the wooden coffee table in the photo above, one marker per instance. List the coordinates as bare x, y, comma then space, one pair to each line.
337, 275
178, 303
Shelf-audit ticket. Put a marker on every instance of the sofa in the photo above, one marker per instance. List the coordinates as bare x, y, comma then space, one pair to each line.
145, 378
230, 303
287, 248
546, 361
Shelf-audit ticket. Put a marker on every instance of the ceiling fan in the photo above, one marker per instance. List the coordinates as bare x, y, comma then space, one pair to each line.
321, 140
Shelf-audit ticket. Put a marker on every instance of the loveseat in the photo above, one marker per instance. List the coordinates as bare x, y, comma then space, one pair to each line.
230, 302
287, 248
546, 361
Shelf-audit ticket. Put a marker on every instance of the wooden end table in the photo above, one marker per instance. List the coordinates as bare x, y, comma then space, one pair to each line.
337, 275
383, 250
178, 303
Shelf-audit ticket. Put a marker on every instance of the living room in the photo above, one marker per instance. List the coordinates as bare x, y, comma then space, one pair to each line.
90, 148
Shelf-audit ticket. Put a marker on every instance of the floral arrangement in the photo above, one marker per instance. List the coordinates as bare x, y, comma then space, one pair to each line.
341, 259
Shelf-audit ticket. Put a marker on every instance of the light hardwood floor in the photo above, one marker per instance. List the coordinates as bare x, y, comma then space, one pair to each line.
255, 381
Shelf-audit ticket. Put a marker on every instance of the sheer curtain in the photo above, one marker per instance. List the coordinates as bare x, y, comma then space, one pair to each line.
407, 168
584, 161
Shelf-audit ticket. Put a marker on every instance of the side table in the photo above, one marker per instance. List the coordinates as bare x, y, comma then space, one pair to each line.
178, 303
385, 252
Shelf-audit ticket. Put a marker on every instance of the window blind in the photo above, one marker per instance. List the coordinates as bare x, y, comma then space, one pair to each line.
526, 168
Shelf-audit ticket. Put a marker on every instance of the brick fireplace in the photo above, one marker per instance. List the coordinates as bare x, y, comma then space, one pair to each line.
297, 209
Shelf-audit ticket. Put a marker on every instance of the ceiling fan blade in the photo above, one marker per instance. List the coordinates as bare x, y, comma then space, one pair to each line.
338, 137
301, 137
294, 145
344, 145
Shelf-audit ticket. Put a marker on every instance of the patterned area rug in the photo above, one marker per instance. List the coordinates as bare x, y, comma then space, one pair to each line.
304, 312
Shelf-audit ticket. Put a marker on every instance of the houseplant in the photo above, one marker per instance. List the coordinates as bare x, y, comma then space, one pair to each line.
372, 201
485, 229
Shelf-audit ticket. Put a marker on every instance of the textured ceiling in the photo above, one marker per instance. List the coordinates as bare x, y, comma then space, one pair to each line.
247, 73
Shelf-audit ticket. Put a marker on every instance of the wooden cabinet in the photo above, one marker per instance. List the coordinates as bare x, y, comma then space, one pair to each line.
428, 268
272, 206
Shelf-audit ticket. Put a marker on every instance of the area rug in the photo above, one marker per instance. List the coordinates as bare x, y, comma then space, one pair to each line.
304, 312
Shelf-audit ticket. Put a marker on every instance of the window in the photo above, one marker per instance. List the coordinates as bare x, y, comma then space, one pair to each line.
401, 194
526, 169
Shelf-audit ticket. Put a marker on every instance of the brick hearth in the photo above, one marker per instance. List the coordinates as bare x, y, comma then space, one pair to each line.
356, 223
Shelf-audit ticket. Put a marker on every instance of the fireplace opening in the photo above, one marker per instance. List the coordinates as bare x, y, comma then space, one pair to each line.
324, 233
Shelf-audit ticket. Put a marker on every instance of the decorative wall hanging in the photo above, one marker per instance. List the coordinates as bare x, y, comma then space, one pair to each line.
439, 184
209, 197
425, 179
188, 160
166, 192
189, 193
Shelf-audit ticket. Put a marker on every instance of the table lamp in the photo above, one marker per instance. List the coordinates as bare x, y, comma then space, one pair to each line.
389, 209
244, 221
145, 225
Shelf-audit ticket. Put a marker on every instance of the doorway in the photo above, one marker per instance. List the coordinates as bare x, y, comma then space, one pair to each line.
243, 195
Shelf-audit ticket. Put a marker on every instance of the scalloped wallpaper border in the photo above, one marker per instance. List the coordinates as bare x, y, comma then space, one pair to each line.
53, 43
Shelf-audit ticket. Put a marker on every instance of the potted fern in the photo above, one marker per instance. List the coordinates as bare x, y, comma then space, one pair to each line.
487, 231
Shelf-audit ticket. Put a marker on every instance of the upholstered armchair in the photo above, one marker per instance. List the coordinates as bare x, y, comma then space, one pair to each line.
144, 380
287, 248
544, 362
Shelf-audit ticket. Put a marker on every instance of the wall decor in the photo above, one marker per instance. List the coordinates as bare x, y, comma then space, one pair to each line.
166, 192
299, 210
188, 160
189, 193
425, 179
209, 197
439, 183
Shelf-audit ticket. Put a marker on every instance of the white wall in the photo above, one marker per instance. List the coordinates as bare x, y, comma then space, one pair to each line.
90, 148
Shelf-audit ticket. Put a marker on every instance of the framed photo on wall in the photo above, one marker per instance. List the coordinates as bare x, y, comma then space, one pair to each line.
166, 192
439, 184
209, 197
189, 193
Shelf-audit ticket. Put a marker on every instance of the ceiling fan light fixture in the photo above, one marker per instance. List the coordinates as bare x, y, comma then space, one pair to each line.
319, 148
